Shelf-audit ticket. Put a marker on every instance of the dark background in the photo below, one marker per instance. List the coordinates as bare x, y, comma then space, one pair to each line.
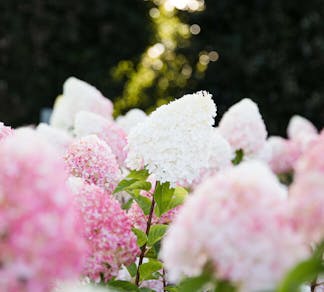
270, 51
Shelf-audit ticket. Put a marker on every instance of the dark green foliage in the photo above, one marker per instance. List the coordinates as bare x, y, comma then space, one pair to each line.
270, 51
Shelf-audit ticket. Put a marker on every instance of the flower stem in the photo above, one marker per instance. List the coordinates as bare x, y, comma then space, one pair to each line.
143, 248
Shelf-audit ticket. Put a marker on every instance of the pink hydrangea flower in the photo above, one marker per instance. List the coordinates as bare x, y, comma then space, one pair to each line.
306, 193
92, 159
108, 232
4, 131
242, 126
283, 154
313, 158
301, 131
87, 123
236, 221
40, 239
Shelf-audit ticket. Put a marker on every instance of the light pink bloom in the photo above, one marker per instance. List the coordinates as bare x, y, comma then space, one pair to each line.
283, 154
235, 221
40, 239
87, 123
92, 159
108, 232
242, 126
4, 131
301, 131
306, 193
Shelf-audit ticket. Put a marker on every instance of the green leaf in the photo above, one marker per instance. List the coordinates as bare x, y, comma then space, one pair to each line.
144, 203
141, 236
156, 233
151, 253
239, 155
138, 174
147, 269
144, 289
305, 271
123, 184
139, 185
163, 195
127, 205
179, 196
194, 284
132, 269
171, 289
225, 286
122, 286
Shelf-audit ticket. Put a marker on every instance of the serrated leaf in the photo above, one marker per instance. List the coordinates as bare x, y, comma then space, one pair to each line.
141, 236
194, 284
156, 233
122, 286
147, 269
163, 195
132, 269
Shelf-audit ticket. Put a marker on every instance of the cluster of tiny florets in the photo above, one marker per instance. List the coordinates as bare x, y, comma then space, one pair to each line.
107, 230
40, 235
92, 159
235, 222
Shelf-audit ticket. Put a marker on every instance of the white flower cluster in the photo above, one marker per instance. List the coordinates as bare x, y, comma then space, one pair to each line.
175, 141
131, 119
77, 96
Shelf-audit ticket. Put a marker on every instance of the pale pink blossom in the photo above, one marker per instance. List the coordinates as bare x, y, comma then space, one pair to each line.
301, 131
4, 131
40, 235
108, 232
243, 127
306, 193
283, 154
87, 123
236, 222
92, 159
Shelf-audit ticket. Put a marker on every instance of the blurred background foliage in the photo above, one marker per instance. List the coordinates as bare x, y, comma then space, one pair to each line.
144, 53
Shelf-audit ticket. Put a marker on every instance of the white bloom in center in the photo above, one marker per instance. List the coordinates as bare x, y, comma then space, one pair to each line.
174, 142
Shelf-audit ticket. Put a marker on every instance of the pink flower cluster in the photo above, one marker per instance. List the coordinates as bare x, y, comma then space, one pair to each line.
284, 154
87, 123
307, 193
40, 235
108, 232
92, 159
242, 126
236, 222
4, 131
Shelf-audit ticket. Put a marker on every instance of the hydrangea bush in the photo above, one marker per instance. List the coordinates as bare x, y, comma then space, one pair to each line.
161, 202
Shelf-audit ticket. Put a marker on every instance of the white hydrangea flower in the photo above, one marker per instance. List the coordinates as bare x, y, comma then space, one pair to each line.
79, 286
131, 119
243, 127
57, 137
174, 142
78, 95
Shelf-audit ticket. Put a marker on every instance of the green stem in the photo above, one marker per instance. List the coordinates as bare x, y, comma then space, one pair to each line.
143, 248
